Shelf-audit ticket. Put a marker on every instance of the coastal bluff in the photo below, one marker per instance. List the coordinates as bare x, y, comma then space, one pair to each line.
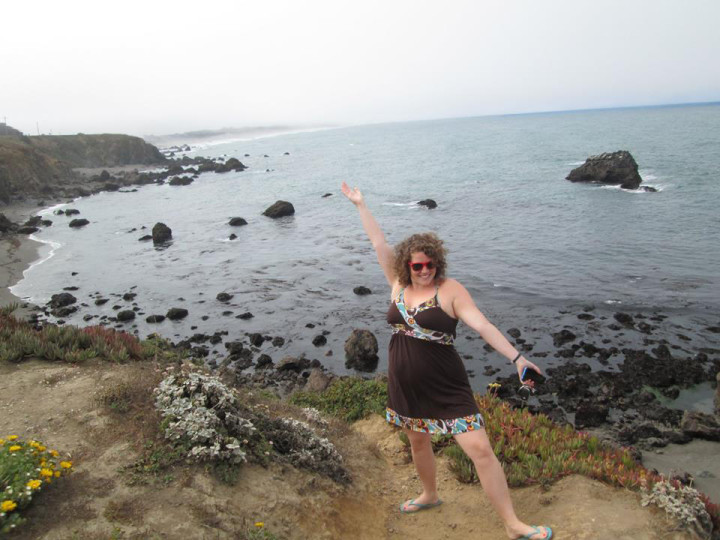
44, 165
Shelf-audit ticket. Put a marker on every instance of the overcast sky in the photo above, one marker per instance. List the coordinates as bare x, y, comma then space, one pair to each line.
155, 67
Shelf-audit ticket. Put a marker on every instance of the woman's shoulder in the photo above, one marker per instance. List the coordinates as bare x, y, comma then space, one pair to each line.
450, 284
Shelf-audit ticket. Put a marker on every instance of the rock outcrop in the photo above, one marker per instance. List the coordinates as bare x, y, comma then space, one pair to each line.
279, 209
612, 168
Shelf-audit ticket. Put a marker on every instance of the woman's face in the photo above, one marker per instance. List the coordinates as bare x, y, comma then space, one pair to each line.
422, 269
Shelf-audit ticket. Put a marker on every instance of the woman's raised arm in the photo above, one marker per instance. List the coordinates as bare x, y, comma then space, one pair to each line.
385, 253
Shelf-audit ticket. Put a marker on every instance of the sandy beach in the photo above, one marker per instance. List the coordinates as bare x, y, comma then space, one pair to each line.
17, 253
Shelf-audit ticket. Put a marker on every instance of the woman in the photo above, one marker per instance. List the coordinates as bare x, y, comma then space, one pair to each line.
428, 388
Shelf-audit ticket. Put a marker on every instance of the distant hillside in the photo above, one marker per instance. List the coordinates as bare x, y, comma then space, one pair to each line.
98, 150
43, 165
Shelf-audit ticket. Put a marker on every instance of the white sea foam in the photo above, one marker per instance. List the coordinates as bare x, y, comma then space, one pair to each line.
54, 246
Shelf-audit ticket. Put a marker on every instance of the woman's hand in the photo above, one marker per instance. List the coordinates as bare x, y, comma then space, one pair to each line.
353, 194
521, 364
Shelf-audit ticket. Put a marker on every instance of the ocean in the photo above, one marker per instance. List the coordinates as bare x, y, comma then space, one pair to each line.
533, 249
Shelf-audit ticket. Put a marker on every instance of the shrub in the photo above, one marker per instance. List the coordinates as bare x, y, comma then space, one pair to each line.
26, 468
204, 416
349, 398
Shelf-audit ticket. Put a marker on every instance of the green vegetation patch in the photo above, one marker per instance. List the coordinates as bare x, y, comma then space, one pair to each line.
350, 398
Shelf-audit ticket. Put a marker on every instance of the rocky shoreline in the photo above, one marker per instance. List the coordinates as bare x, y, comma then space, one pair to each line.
614, 390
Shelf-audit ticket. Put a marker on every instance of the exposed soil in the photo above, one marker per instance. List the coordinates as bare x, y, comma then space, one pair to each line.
61, 406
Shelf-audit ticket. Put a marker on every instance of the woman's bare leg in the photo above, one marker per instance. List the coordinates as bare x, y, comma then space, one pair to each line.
424, 460
492, 477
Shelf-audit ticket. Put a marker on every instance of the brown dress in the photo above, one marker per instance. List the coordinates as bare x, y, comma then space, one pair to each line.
428, 387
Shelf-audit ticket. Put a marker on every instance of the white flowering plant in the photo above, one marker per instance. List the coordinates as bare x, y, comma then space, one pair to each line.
203, 415
682, 503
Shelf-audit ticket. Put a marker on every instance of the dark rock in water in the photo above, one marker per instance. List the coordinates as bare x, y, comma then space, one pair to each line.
232, 237
128, 296
181, 181
232, 164
71, 212
429, 203
6, 225
279, 209
562, 337
648, 189
224, 297
361, 291
700, 425
161, 233
613, 168
61, 300
264, 362
245, 316
175, 314
361, 351
327, 195
75, 223
101, 301
46, 223
145, 238
126, 315
292, 364
624, 318
64, 311
33, 221
237, 222
514, 333
319, 341
27, 230
635, 432
256, 339
278, 341
590, 414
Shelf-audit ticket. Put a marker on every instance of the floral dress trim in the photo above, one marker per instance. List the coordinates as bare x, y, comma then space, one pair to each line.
452, 426
415, 329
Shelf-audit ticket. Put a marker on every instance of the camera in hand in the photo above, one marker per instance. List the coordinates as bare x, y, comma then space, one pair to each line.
529, 381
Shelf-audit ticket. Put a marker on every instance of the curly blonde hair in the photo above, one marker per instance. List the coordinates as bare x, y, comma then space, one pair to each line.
428, 243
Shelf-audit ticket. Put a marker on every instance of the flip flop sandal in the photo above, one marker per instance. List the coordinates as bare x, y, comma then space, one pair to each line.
537, 531
420, 506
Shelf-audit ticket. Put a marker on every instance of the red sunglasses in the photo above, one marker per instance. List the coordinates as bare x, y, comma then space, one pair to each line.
417, 267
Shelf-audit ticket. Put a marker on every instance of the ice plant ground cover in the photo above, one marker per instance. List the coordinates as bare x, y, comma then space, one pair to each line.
205, 418
26, 469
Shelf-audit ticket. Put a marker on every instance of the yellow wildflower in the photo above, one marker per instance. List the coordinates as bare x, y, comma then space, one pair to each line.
66, 464
33, 444
8, 506
259, 524
12, 437
54, 453
57, 474
46, 472
15, 448
41, 447
2, 441
34, 484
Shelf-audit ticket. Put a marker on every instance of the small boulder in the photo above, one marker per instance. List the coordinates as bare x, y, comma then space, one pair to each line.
429, 203
75, 223
589, 414
175, 314
161, 233
237, 222
126, 315
62, 300
6, 225
279, 209
361, 349
319, 341
224, 297
71, 212
700, 425
27, 230
612, 168
155, 319
361, 291
181, 181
